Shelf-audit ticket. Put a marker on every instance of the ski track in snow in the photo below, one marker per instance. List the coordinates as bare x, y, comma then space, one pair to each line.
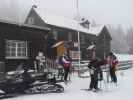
73, 90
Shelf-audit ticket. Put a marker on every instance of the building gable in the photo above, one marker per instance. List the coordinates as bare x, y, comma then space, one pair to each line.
105, 34
34, 19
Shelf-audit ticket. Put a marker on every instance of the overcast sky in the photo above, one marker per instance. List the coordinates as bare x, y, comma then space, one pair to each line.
112, 12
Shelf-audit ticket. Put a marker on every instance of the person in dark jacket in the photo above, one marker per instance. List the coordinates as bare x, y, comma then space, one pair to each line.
95, 72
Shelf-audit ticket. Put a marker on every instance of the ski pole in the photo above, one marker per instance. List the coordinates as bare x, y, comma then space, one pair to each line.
105, 83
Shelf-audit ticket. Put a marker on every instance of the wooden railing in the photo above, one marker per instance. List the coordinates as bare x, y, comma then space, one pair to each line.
121, 66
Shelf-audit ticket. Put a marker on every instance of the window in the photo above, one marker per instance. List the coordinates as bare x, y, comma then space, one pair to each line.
75, 54
31, 20
82, 39
16, 49
55, 33
70, 36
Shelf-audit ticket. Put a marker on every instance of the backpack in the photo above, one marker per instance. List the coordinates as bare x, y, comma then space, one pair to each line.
115, 62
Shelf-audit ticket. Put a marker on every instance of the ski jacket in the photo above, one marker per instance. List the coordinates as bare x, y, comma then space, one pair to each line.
94, 66
95, 69
112, 61
66, 61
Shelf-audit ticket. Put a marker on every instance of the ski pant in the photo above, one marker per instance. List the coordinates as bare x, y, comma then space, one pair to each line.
94, 82
60, 73
113, 75
66, 71
100, 75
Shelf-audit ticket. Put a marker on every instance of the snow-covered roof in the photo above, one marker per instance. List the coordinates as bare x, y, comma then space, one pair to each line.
64, 22
90, 47
96, 30
19, 16
57, 44
22, 24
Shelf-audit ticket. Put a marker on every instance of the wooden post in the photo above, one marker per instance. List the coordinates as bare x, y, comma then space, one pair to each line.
35, 65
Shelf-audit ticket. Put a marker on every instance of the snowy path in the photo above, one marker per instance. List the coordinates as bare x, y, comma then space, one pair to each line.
72, 91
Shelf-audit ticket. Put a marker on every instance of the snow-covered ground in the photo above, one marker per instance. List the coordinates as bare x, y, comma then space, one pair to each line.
124, 57
123, 91
73, 90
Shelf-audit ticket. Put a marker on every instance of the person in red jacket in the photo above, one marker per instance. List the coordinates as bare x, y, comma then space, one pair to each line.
66, 64
112, 62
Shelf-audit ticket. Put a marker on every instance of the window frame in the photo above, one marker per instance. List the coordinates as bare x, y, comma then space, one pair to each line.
55, 33
17, 52
31, 20
82, 39
70, 36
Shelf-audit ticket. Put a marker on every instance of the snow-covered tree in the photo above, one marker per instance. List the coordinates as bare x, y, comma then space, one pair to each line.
118, 43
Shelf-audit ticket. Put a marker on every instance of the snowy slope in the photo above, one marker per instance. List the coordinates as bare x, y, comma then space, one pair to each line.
73, 90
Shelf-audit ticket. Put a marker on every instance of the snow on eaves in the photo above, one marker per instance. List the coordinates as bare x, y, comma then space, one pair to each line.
90, 47
22, 24
18, 15
95, 30
64, 22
